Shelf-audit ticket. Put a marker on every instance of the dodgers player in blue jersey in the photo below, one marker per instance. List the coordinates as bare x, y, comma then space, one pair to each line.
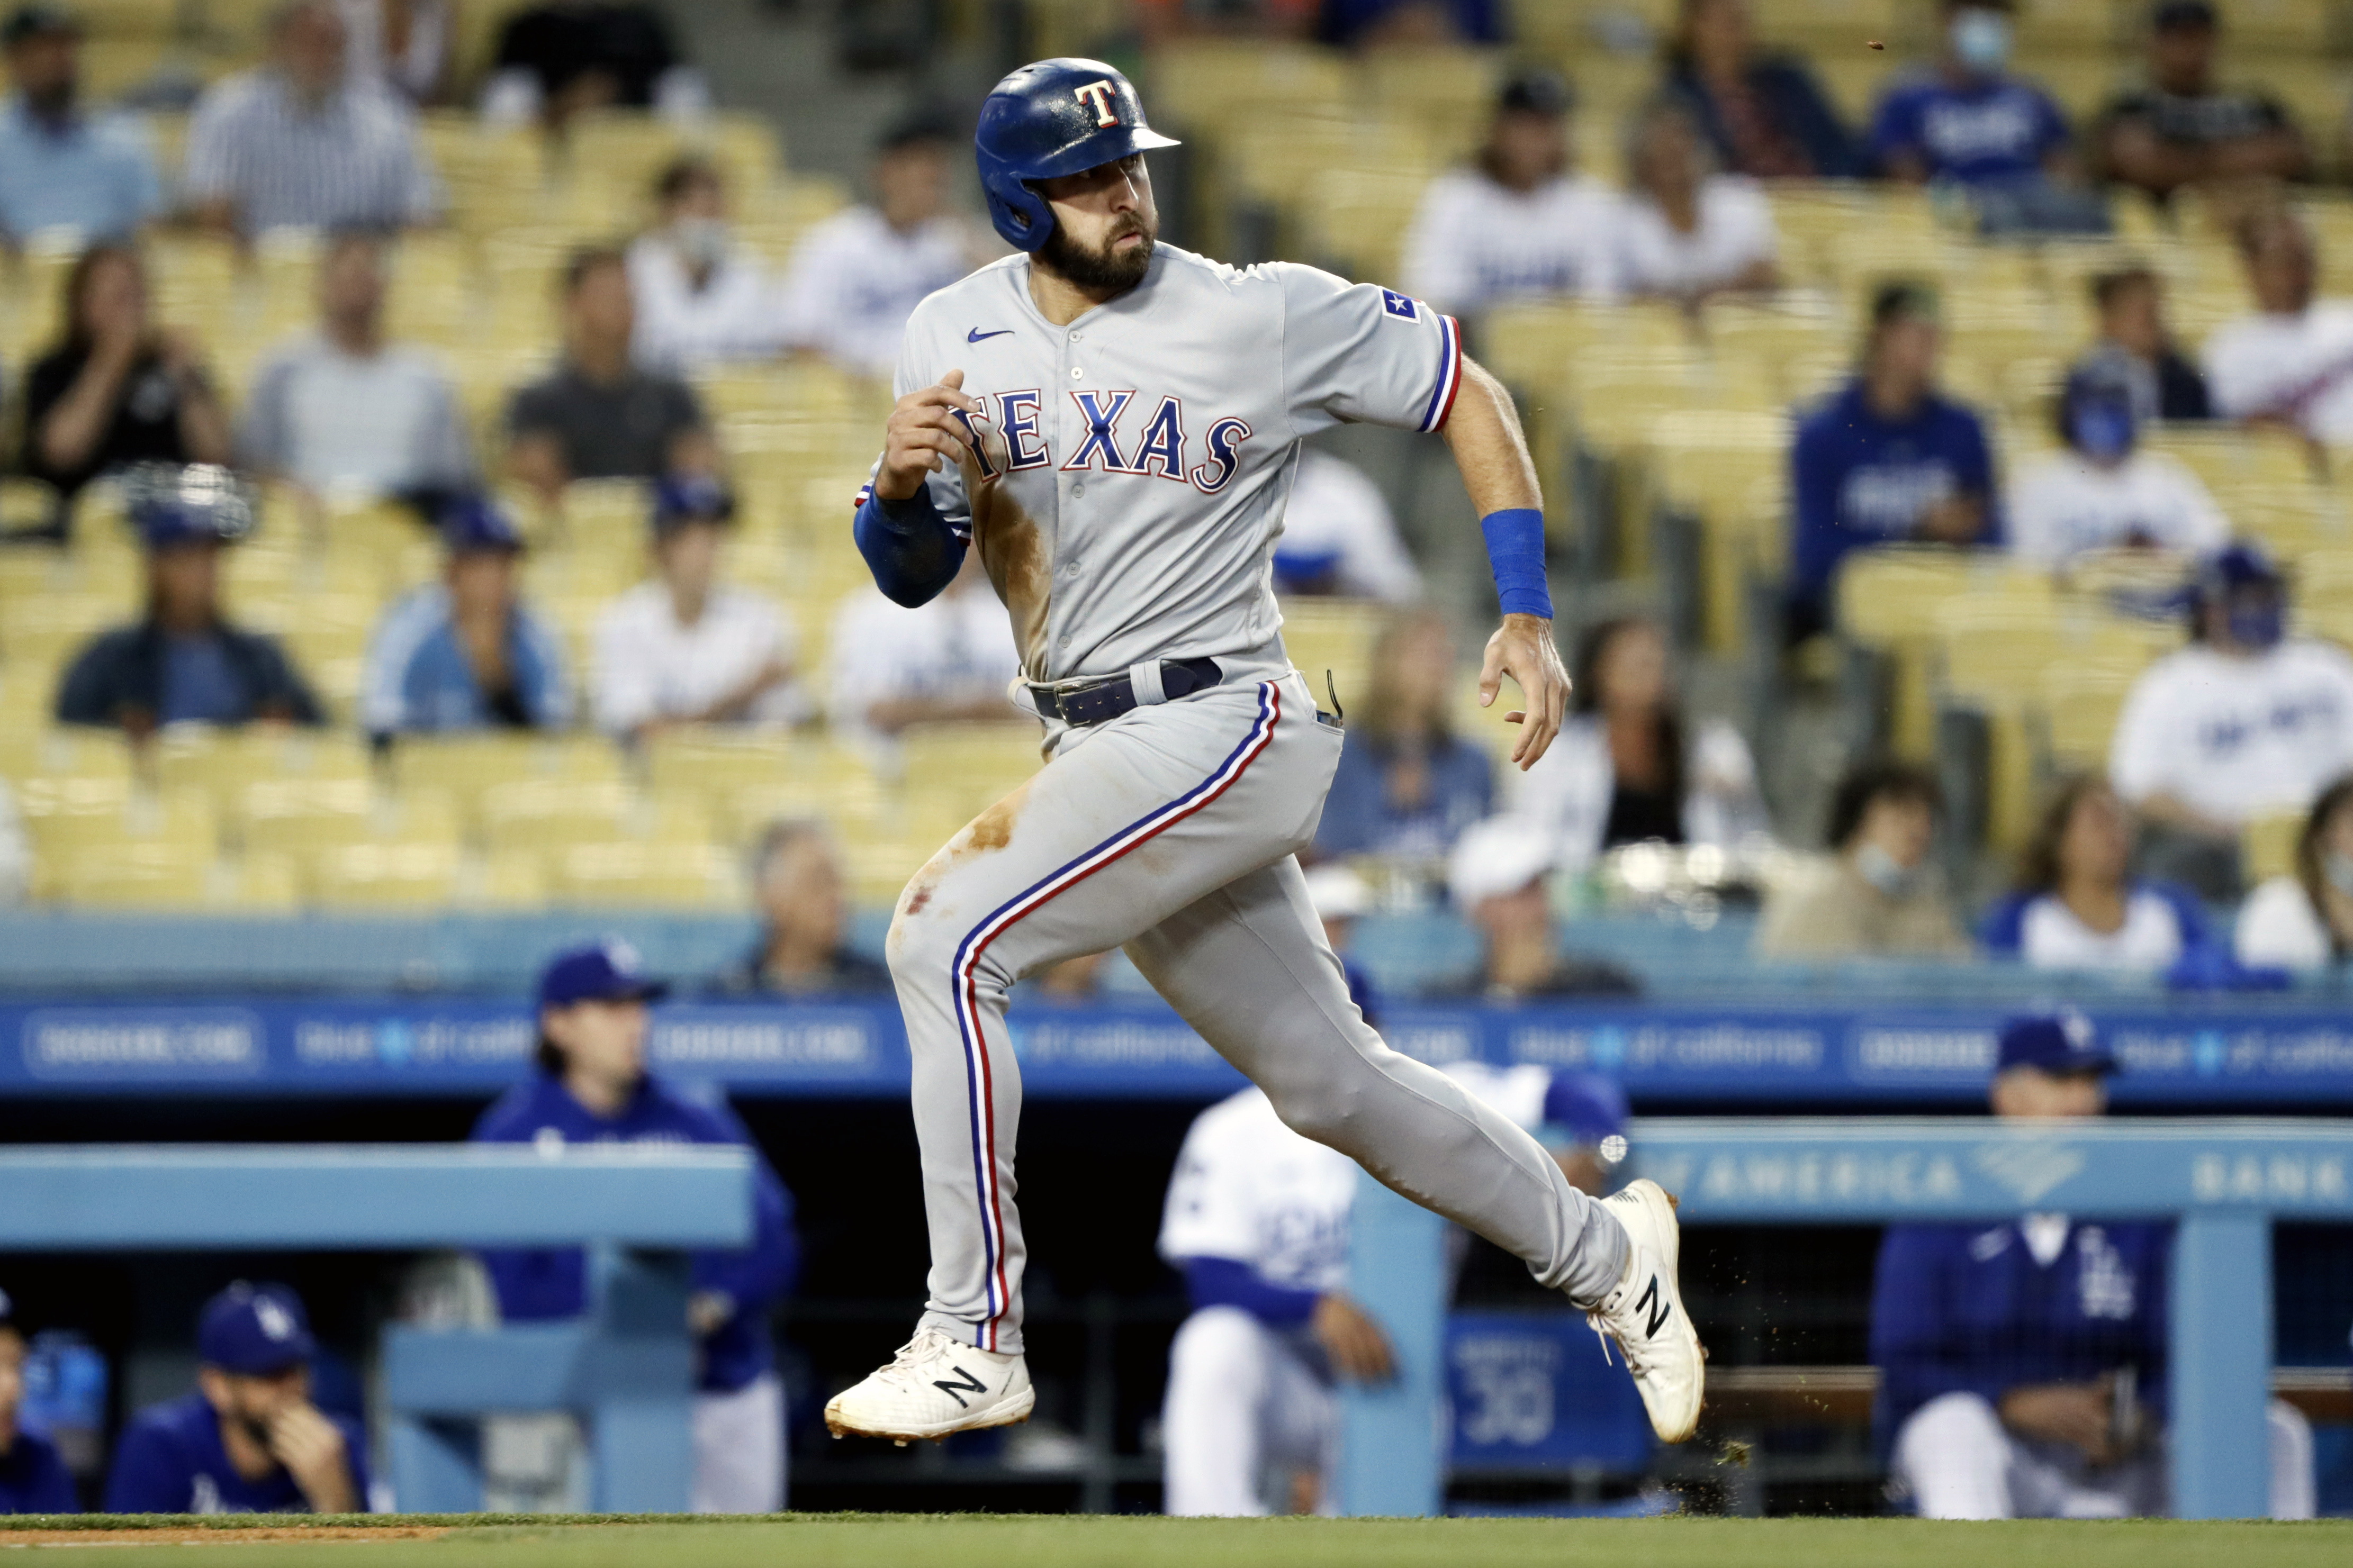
2023, 1365
1114, 425
592, 1086
33, 1478
249, 1440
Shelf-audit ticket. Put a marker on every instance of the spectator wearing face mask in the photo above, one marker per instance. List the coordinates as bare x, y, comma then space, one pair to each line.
2106, 490
1877, 893
2244, 721
702, 299
2304, 920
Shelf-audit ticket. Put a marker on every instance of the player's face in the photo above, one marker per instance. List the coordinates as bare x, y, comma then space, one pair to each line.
1105, 224
603, 1040
252, 1401
2033, 1094
12, 1378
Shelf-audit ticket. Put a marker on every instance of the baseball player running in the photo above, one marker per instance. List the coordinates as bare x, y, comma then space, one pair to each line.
1113, 424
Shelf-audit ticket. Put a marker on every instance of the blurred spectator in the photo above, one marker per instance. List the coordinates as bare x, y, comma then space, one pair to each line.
249, 1440
118, 389
2246, 720
803, 949
403, 47
950, 658
64, 171
1971, 122
1339, 537
2106, 490
15, 854
1764, 114
596, 416
701, 297
856, 277
465, 653
1878, 893
592, 1086
2291, 363
2077, 906
1257, 1220
1625, 768
1410, 23
33, 1478
1689, 232
2022, 1366
687, 649
1518, 223
1160, 20
182, 662
558, 59
1406, 787
1496, 878
342, 411
294, 144
2305, 919
2166, 384
1886, 459
2182, 128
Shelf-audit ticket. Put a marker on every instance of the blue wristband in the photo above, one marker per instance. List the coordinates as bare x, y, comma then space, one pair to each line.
1515, 549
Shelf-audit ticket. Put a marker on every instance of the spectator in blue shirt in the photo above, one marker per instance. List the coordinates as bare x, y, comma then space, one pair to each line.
63, 171
1971, 122
182, 662
1407, 784
249, 1440
1887, 460
592, 1086
2023, 1365
465, 653
33, 1478
1410, 23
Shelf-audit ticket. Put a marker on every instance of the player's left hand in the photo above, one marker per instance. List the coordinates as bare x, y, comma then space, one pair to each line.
1522, 648
310, 1446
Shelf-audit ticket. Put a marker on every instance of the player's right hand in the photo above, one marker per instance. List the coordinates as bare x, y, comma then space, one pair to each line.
1358, 1349
923, 434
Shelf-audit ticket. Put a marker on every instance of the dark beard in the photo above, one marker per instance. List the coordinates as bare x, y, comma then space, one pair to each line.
1098, 269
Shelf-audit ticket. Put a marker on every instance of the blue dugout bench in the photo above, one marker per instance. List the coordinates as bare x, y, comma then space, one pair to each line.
628, 1368
2222, 1183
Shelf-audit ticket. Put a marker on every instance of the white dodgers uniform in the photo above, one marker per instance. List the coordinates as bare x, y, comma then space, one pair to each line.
1125, 502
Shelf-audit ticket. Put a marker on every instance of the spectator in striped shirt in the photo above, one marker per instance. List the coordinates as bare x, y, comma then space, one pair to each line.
294, 144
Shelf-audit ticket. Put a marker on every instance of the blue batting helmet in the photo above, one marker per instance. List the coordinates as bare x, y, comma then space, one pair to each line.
1050, 119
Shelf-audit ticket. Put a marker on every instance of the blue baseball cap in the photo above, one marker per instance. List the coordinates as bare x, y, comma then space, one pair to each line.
2062, 1042
472, 524
608, 971
1587, 1109
254, 1330
683, 498
170, 504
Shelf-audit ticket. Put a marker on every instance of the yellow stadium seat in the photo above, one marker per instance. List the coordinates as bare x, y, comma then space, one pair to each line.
65, 752
2226, 458
303, 816
386, 876
2268, 845
542, 814
1334, 635
2079, 709
134, 876
633, 872
504, 879
76, 813
225, 762
468, 764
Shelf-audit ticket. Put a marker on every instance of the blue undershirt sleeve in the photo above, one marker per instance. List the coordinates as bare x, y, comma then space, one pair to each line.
1226, 1282
911, 550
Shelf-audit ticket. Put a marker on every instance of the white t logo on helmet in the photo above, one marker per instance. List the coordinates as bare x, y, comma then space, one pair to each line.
1098, 95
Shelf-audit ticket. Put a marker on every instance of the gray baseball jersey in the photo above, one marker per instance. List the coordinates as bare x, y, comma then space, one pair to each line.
1147, 448
1128, 489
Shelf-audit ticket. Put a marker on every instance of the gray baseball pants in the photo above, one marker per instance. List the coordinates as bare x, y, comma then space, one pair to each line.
1172, 830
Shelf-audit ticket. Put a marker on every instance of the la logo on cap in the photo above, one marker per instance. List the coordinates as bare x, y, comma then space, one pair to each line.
621, 956
275, 1321
2077, 1028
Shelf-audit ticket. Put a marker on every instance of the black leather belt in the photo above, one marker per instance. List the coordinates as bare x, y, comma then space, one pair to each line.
1089, 702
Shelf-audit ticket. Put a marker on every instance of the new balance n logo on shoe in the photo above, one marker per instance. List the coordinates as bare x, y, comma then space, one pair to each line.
965, 1380
1654, 1312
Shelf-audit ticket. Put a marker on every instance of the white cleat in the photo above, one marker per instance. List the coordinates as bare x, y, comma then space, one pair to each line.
1645, 1313
933, 1388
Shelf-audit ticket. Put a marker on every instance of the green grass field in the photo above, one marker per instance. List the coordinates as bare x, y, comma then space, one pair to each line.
968, 1540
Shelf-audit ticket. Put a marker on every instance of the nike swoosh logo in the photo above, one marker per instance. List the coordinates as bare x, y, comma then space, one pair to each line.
976, 335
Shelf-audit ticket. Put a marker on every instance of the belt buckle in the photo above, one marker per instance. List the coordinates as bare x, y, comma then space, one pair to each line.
1068, 700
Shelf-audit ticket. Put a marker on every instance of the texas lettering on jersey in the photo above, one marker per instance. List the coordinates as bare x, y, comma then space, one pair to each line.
1113, 443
